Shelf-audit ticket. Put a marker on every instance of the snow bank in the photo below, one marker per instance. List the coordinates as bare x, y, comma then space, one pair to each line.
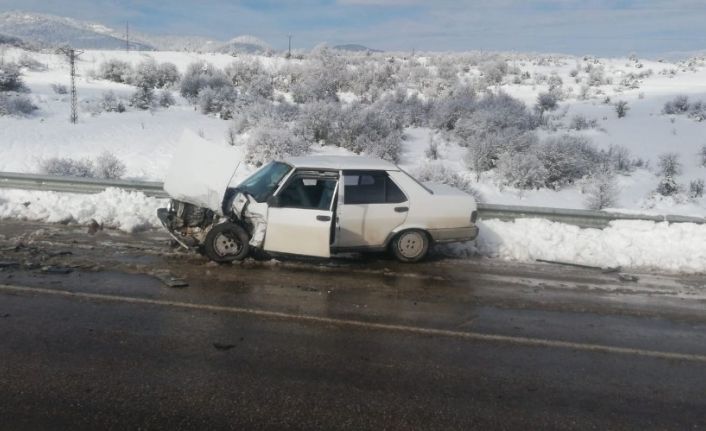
679, 247
116, 208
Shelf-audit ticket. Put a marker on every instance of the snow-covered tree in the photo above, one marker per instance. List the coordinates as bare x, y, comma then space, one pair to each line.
669, 165
602, 190
621, 108
270, 141
109, 166
11, 78
116, 71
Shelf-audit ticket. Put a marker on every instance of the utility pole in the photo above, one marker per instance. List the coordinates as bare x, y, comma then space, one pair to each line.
289, 52
72, 55
127, 36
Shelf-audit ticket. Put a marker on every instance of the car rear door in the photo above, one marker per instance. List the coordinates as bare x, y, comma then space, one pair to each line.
300, 215
372, 207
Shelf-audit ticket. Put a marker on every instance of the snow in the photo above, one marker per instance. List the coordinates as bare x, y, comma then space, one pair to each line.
677, 247
115, 208
146, 141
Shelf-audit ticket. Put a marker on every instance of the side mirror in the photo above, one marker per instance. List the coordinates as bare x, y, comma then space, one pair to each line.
273, 202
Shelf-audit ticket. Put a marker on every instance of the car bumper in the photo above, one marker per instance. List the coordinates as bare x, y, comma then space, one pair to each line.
458, 234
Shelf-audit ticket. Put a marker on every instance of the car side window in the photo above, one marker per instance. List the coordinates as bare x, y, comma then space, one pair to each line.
308, 193
371, 187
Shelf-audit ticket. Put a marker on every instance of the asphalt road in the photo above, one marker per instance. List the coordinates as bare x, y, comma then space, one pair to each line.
92, 338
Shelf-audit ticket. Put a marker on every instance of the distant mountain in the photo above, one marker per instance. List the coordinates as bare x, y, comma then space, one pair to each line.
51, 31
355, 48
55, 31
244, 45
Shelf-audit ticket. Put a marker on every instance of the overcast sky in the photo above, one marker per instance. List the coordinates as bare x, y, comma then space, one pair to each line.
599, 27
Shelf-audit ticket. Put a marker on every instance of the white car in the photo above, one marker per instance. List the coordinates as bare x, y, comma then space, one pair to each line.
310, 206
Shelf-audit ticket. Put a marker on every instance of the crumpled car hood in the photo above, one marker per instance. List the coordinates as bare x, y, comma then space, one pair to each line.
201, 171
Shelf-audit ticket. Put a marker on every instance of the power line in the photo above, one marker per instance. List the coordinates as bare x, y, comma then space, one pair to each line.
72, 56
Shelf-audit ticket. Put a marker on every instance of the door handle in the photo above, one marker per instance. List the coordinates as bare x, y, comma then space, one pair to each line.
401, 209
323, 218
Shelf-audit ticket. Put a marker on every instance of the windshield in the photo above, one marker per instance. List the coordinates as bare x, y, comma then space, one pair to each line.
264, 182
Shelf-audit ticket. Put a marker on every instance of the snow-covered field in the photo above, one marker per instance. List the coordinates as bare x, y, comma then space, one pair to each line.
144, 140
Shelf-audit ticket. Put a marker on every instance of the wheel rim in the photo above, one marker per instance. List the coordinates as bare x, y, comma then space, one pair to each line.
226, 244
411, 244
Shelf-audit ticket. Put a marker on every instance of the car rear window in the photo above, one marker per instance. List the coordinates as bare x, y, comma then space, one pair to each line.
371, 188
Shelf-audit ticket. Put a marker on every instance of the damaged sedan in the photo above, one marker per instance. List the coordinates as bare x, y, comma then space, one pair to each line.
310, 206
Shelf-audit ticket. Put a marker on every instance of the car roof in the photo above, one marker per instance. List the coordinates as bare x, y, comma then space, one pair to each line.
341, 163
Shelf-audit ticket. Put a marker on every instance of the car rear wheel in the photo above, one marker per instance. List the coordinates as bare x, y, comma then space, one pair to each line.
226, 242
411, 246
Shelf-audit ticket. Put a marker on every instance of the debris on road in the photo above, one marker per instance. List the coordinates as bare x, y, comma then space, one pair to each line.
607, 269
56, 270
220, 346
170, 280
628, 277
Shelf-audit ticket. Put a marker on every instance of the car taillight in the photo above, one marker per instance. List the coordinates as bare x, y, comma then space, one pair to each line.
474, 216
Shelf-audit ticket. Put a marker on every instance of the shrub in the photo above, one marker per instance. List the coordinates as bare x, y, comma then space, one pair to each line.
272, 141
546, 102
146, 74
199, 76
143, 98
219, 101
11, 78
621, 108
668, 186
29, 62
602, 191
669, 165
618, 158
116, 71
108, 166
567, 158
110, 103
702, 156
166, 99
68, 167
696, 189
446, 111
59, 89
679, 105
16, 104
493, 71
522, 170
580, 122
167, 75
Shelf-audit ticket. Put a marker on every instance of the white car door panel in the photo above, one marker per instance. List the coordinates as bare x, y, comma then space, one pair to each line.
368, 225
299, 231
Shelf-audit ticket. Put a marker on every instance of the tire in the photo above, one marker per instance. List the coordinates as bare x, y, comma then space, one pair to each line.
411, 246
226, 242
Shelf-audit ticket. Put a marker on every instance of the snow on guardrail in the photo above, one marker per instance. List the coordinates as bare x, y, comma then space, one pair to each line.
576, 217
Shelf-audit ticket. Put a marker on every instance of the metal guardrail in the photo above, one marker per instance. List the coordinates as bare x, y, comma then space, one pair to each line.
12, 180
581, 218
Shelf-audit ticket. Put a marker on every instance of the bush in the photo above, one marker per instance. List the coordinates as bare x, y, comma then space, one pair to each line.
567, 158
446, 111
11, 78
618, 158
108, 166
621, 108
219, 101
251, 78
580, 122
679, 105
522, 170
116, 71
16, 104
546, 102
602, 191
68, 167
668, 186
493, 71
167, 75
702, 156
146, 74
199, 76
59, 89
29, 62
669, 165
166, 99
110, 103
143, 98
696, 189
271, 141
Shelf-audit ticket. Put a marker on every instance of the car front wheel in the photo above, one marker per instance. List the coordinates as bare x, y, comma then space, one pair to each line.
226, 242
411, 246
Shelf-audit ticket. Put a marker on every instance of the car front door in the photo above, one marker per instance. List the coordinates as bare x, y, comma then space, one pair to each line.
373, 206
300, 215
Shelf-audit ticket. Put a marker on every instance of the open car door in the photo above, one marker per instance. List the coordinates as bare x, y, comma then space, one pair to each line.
300, 216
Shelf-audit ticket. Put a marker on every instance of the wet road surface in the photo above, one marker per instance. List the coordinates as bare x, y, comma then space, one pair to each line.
91, 338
